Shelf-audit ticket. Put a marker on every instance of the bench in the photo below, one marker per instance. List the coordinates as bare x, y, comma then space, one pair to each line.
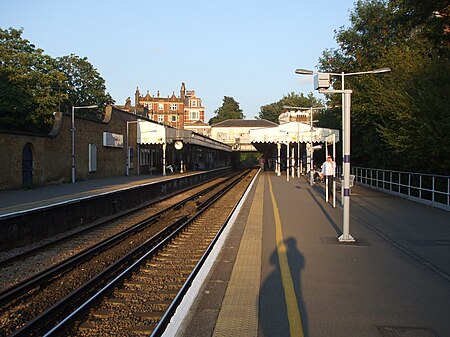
352, 179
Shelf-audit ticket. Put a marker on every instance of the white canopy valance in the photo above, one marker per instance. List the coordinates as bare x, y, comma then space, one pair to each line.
153, 133
292, 132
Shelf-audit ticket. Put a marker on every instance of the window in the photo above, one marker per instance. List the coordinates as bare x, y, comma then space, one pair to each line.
193, 115
145, 154
174, 118
161, 118
194, 102
92, 157
161, 106
173, 106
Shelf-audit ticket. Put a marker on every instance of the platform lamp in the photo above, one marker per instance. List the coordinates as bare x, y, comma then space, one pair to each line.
73, 134
322, 83
342, 74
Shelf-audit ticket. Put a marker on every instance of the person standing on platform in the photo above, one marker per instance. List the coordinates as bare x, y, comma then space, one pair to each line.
328, 171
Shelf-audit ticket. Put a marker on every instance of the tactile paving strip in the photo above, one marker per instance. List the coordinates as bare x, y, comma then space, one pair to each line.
239, 313
393, 331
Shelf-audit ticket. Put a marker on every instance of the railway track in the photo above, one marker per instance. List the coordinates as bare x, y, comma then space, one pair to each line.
123, 263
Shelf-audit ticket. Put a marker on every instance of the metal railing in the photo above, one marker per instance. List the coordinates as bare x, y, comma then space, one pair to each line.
433, 190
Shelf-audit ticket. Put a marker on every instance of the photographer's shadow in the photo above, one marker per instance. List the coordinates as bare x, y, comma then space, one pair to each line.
273, 318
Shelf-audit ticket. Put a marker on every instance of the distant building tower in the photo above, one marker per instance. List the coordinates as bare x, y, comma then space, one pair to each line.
167, 110
183, 112
194, 114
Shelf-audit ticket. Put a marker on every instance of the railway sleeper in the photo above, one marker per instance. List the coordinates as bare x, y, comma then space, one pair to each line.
141, 292
150, 315
182, 255
183, 246
102, 313
115, 301
187, 265
172, 261
156, 272
144, 283
145, 330
157, 278
183, 250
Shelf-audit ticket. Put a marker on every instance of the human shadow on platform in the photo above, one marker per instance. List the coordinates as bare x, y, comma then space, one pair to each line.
320, 203
273, 314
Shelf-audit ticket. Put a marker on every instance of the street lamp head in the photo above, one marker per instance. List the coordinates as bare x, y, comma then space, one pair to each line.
86, 107
304, 72
382, 70
294, 107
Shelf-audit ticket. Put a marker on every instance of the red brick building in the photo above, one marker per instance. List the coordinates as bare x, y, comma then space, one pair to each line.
176, 111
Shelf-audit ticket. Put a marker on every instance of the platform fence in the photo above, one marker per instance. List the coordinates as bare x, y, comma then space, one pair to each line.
433, 190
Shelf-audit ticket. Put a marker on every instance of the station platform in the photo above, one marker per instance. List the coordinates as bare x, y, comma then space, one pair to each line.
22, 200
281, 270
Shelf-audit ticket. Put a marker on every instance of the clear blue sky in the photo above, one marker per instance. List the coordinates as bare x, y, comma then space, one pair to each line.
246, 49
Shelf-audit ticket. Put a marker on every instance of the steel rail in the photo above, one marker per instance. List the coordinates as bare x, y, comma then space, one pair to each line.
175, 229
92, 285
43, 277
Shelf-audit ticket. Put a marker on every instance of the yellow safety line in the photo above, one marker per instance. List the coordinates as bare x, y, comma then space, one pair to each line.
295, 322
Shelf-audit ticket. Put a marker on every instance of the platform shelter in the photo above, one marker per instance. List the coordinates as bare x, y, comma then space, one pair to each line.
163, 146
290, 145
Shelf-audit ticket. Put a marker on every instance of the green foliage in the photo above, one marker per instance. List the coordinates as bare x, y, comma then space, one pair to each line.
28, 84
34, 85
229, 110
248, 159
84, 86
272, 111
400, 120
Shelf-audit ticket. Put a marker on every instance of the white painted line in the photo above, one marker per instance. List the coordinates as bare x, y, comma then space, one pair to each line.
180, 317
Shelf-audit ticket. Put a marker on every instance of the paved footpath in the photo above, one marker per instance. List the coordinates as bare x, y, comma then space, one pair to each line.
393, 281
20, 200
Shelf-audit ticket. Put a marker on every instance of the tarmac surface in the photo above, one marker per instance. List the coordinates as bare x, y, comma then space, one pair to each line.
20, 200
393, 281
282, 272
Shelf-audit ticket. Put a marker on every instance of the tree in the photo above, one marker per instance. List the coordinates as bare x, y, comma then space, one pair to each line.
34, 85
84, 86
229, 110
28, 84
399, 118
272, 111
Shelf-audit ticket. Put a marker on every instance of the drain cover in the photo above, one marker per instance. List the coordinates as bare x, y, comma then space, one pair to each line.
334, 241
393, 331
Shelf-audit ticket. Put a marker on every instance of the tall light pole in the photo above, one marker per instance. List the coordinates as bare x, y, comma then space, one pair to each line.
342, 75
346, 100
73, 134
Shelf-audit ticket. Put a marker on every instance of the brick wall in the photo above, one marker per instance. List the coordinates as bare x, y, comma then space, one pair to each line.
52, 154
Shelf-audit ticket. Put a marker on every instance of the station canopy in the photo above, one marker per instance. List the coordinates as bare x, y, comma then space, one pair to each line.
292, 132
155, 133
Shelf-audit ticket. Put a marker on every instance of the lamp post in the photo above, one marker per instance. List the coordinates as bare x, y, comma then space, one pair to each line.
346, 102
73, 134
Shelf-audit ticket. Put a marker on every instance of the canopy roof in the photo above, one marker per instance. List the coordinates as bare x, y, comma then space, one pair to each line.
153, 133
292, 132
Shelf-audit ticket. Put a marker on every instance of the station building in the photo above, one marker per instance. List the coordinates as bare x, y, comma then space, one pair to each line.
100, 148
